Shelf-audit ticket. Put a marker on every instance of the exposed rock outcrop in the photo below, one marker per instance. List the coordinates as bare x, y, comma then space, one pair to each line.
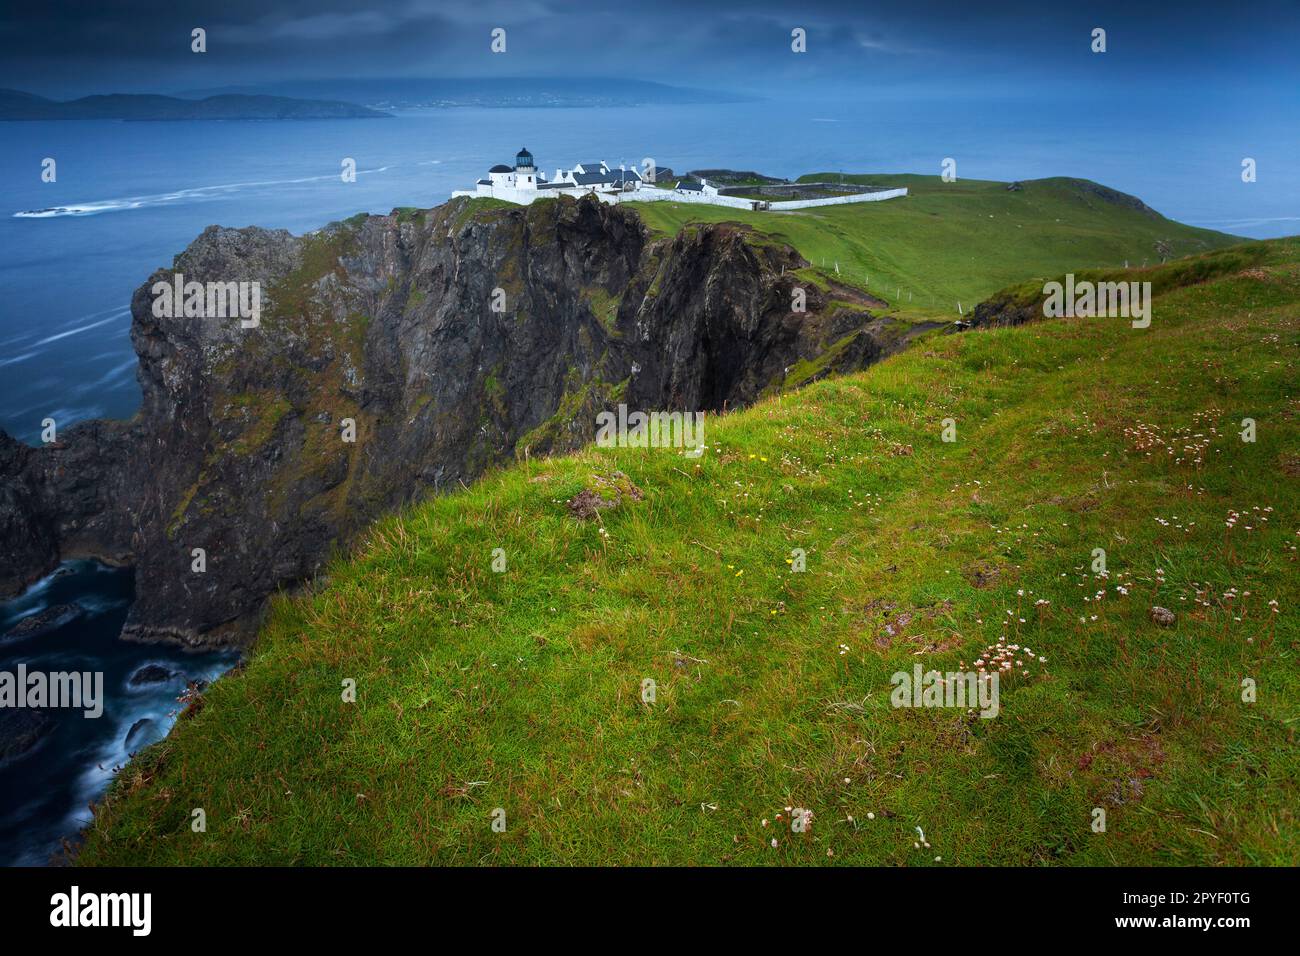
22, 730
453, 339
41, 623
143, 732
1004, 309
150, 675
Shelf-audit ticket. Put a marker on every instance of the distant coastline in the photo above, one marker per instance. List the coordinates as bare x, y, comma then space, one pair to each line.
532, 92
343, 99
147, 107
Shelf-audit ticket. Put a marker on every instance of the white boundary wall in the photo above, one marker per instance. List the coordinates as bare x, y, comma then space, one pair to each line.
841, 200
651, 194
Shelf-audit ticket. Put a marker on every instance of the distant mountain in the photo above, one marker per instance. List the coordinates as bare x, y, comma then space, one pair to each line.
17, 105
402, 93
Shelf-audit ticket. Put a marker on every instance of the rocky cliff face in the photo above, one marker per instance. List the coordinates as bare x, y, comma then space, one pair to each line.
453, 339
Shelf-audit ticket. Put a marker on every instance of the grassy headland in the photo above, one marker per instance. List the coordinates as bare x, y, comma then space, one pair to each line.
522, 690
961, 241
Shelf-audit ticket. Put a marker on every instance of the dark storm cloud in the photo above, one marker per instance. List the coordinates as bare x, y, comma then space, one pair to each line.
59, 47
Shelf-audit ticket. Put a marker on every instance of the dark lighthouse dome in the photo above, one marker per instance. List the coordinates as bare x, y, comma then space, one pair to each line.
524, 160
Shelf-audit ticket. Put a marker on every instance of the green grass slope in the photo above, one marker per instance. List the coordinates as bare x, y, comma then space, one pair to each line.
962, 241
522, 690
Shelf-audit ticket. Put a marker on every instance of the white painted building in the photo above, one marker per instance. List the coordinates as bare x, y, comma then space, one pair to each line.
524, 183
701, 188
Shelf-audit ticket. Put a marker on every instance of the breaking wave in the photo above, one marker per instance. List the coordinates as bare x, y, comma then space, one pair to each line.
179, 196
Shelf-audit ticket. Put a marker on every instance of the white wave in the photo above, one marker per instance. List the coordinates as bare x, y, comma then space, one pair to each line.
116, 372
18, 358
82, 328
158, 703
58, 211
37, 588
24, 337
197, 194
115, 310
111, 377
96, 605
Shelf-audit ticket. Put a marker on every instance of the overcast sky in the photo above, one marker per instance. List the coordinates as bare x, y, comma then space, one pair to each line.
897, 48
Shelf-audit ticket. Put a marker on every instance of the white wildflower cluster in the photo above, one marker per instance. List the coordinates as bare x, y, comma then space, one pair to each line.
1005, 658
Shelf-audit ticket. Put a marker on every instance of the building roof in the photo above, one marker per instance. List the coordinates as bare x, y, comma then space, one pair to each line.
593, 179
485, 182
608, 177
690, 187
500, 168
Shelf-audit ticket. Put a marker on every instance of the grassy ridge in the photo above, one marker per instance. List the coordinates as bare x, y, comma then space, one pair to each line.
522, 690
960, 241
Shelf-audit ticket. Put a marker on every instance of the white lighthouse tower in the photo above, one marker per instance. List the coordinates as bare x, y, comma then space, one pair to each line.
525, 170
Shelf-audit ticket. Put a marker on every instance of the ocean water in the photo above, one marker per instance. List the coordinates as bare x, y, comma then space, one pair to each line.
45, 793
130, 196
134, 194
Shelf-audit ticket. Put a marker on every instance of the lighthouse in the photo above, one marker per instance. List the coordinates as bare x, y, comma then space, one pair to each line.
525, 170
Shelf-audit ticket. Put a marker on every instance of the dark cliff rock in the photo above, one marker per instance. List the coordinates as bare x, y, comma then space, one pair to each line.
31, 545
389, 322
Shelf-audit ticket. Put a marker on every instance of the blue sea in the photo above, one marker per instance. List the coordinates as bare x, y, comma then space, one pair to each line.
130, 196
46, 793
